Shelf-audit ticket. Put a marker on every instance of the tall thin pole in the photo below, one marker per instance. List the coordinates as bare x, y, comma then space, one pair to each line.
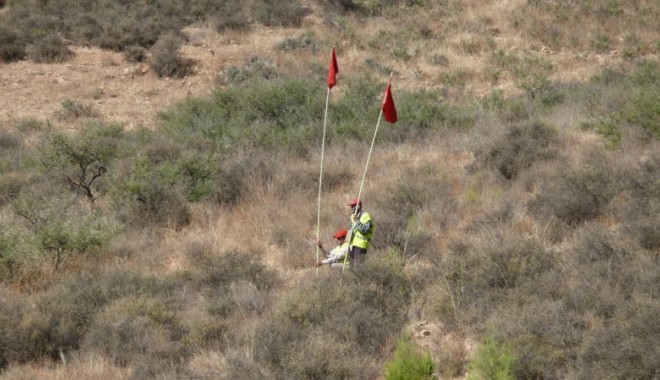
318, 211
364, 175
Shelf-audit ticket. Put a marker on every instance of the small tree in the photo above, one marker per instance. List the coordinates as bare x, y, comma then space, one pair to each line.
79, 161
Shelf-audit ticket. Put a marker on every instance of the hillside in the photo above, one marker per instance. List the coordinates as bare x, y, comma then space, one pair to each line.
159, 174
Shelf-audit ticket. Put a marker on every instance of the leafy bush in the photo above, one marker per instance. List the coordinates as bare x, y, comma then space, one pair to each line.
166, 59
644, 110
408, 364
80, 161
145, 194
57, 226
397, 211
275, 114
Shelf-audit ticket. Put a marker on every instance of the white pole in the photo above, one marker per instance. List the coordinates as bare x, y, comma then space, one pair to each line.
318, 211
364, 175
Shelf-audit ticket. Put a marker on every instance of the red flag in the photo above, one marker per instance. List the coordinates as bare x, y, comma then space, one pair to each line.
389, 110
333, 69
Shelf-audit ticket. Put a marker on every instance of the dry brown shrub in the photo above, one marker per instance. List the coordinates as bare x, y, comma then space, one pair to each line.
520, 148
362, 315
166, 58
626, 347
49, 49
543, 335
137, 330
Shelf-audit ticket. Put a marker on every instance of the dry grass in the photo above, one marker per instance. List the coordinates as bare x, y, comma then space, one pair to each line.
88, 367
474, 248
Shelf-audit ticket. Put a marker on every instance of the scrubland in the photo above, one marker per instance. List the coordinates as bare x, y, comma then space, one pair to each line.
516, 201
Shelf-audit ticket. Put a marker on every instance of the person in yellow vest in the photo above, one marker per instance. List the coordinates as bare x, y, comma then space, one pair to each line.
335, 258
362, 228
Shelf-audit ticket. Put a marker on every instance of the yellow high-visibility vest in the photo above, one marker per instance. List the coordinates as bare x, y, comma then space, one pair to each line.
359, 239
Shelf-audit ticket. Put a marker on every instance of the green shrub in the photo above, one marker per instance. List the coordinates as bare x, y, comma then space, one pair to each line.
145, 194
493, 361
408, 363
80, 161
343, 6
278, 114
397, 211
644, 110
166, 59
236, 173
8, 259
198, 173
32, 125
58, 227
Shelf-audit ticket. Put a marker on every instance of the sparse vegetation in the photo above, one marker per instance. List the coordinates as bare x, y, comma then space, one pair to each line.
519, 217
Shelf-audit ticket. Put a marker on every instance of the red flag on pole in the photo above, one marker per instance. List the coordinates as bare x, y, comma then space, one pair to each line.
389, 110
333, 69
